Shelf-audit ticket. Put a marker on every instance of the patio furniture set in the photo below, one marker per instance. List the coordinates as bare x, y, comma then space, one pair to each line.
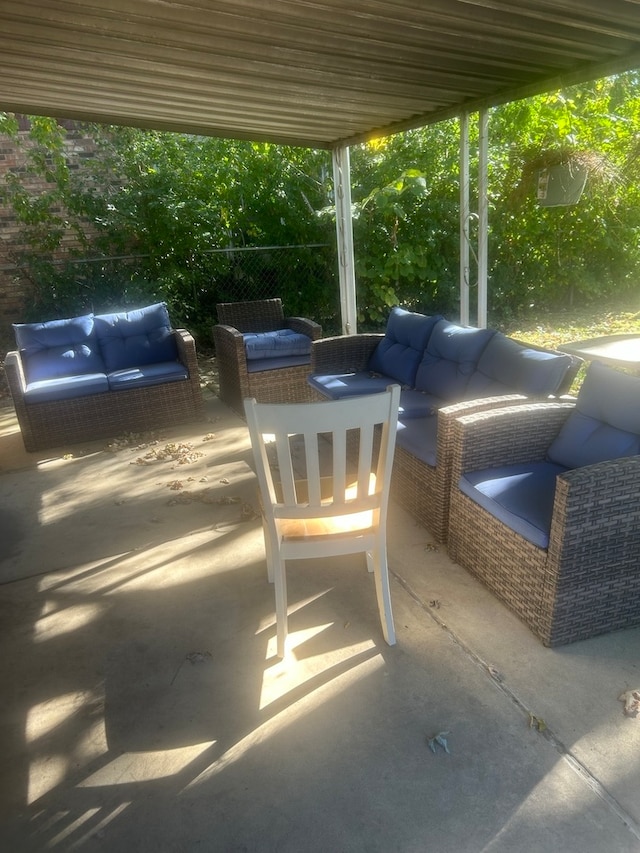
98, 376
534, 492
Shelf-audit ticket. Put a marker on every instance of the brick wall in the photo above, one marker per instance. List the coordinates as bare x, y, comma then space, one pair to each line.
14, 282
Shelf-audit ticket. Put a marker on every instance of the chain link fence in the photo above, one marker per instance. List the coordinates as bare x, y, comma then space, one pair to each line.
303, 276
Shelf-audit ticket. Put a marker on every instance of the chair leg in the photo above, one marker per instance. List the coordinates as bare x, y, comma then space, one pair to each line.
268, 550
378, 559
280, 584
370, 566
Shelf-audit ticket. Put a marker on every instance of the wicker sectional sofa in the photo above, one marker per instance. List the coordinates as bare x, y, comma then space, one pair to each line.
99, 376
445, 370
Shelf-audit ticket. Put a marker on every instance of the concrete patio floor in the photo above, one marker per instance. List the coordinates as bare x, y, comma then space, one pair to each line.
143, 708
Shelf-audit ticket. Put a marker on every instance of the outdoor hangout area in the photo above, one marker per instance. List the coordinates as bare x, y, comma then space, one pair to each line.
167, 688
320, 426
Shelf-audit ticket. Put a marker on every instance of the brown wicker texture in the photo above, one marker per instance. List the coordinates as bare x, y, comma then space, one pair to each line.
588, 581
107, 415
422, 489
343, 353
280, 385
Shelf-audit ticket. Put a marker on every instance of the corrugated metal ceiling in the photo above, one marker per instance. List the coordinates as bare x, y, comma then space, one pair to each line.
305, 72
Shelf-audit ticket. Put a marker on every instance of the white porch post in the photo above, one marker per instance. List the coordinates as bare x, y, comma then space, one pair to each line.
344, 231
465, 215
483, 217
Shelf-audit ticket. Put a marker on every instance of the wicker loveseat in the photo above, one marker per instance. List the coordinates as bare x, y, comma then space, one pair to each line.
98, 376
545, 507
262, 354
445, 370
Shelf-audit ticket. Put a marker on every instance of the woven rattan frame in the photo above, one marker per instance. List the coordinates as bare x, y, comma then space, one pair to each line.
588, 581
343, 353
279, 385
422, 489
112, 413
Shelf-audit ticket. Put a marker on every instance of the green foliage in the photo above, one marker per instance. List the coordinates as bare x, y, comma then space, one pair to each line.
406, 201
183, 198
405, 222
175, 202
566, 256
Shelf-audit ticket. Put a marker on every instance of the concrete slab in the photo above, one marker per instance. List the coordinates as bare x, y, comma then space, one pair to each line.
144, 709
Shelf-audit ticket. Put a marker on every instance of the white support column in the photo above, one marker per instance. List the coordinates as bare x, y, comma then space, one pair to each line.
344, 231
465, 218
483, 217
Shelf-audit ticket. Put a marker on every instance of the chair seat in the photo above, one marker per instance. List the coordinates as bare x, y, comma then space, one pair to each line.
330, 526
305, 528
521, 496
279, 363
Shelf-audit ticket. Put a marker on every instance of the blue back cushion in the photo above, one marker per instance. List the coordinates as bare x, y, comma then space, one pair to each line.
399, 353
507, 366
605, 423
59, 348
450, 359
136, 338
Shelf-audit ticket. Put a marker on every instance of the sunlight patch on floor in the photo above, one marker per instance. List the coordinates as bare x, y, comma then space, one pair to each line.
309, 702
64, 621
145, 766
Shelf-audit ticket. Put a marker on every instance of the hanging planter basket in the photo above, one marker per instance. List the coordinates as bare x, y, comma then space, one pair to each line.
557, 178
560, 185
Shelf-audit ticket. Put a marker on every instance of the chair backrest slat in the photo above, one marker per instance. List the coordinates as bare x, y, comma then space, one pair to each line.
284, 468
313, 468
308, 468
365, 459
339, 449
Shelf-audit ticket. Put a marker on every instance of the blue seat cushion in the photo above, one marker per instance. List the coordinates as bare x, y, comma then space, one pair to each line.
507, 366
136, 338
59, 348
276, 344
336, 386
450, 359
399, 352
605, 423
258, 365
65, 387
520, 496
419, 437
147, 374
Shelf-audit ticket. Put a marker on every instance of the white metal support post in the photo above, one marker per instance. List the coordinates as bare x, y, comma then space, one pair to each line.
465, 218
344, 231
483, 217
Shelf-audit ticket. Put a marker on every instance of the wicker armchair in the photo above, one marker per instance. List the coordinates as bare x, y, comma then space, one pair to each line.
285, 383
586, 580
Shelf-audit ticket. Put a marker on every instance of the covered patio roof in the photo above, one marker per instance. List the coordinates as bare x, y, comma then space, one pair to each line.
315, 73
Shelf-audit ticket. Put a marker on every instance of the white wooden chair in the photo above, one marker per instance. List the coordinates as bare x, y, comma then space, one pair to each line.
324, 511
